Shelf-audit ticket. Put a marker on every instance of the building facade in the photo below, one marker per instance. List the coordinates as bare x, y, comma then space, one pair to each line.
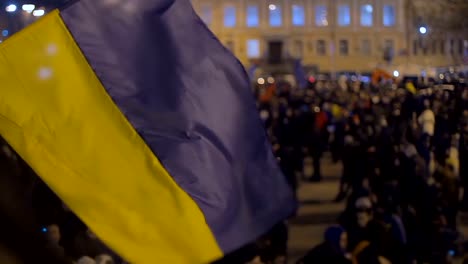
335, 35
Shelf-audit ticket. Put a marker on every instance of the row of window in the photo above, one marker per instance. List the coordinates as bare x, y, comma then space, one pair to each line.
322, 47
298, 15
441, 46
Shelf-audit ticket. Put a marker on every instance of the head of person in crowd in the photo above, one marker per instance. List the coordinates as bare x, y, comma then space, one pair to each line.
427, 104
8, 152
337, 238
356, 120
363, 211
410, 151
386, 99
91, 234
86, 260
104, 259
464, 95
349, 140
289, 112
53, 234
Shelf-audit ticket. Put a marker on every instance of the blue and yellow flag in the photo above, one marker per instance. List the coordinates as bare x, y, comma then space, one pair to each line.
144, 124
300, 74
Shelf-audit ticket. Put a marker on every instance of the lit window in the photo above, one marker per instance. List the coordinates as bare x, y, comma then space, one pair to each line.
298, 15
28, 7
298, 49
276, 19
229, 16
321, 16
367, 12
321, 47
344, 15
38, 12
344, 50
207, 14
253, 48
389, 49
252, 16
366, 48
11, 8
389, 17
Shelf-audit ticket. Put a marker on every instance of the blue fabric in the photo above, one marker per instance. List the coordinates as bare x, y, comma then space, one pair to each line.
251, 71
333, 236
398, 229
300, 74
190, 100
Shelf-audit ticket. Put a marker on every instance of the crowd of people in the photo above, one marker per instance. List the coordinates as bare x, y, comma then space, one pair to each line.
37, 226
404, 151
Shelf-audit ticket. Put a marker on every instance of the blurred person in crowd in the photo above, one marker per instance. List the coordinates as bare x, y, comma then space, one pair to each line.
332, 250
349, 169
427, 120
53, 236
449, 193
86, 243
313, 123
374, 236
337, 131
104, 259
272, 247
463, 158
285, 156
21, 239
86, 260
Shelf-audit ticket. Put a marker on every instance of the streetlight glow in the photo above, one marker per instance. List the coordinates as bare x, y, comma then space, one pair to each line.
423, 30
396, 74
28, 7
38, 13
11, 8
272, 7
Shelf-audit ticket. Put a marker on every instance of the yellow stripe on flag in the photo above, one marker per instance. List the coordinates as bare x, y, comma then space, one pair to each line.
55, 113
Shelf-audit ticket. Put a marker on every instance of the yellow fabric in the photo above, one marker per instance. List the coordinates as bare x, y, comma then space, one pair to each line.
358, 250
410, 87
55, 113
337, 111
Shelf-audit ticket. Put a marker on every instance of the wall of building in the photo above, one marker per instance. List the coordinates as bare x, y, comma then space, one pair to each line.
366, 44
303, 40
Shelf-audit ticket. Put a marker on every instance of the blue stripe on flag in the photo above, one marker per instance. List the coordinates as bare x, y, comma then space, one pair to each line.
189, 98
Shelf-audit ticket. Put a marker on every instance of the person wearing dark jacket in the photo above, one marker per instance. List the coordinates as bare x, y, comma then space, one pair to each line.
332, 250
